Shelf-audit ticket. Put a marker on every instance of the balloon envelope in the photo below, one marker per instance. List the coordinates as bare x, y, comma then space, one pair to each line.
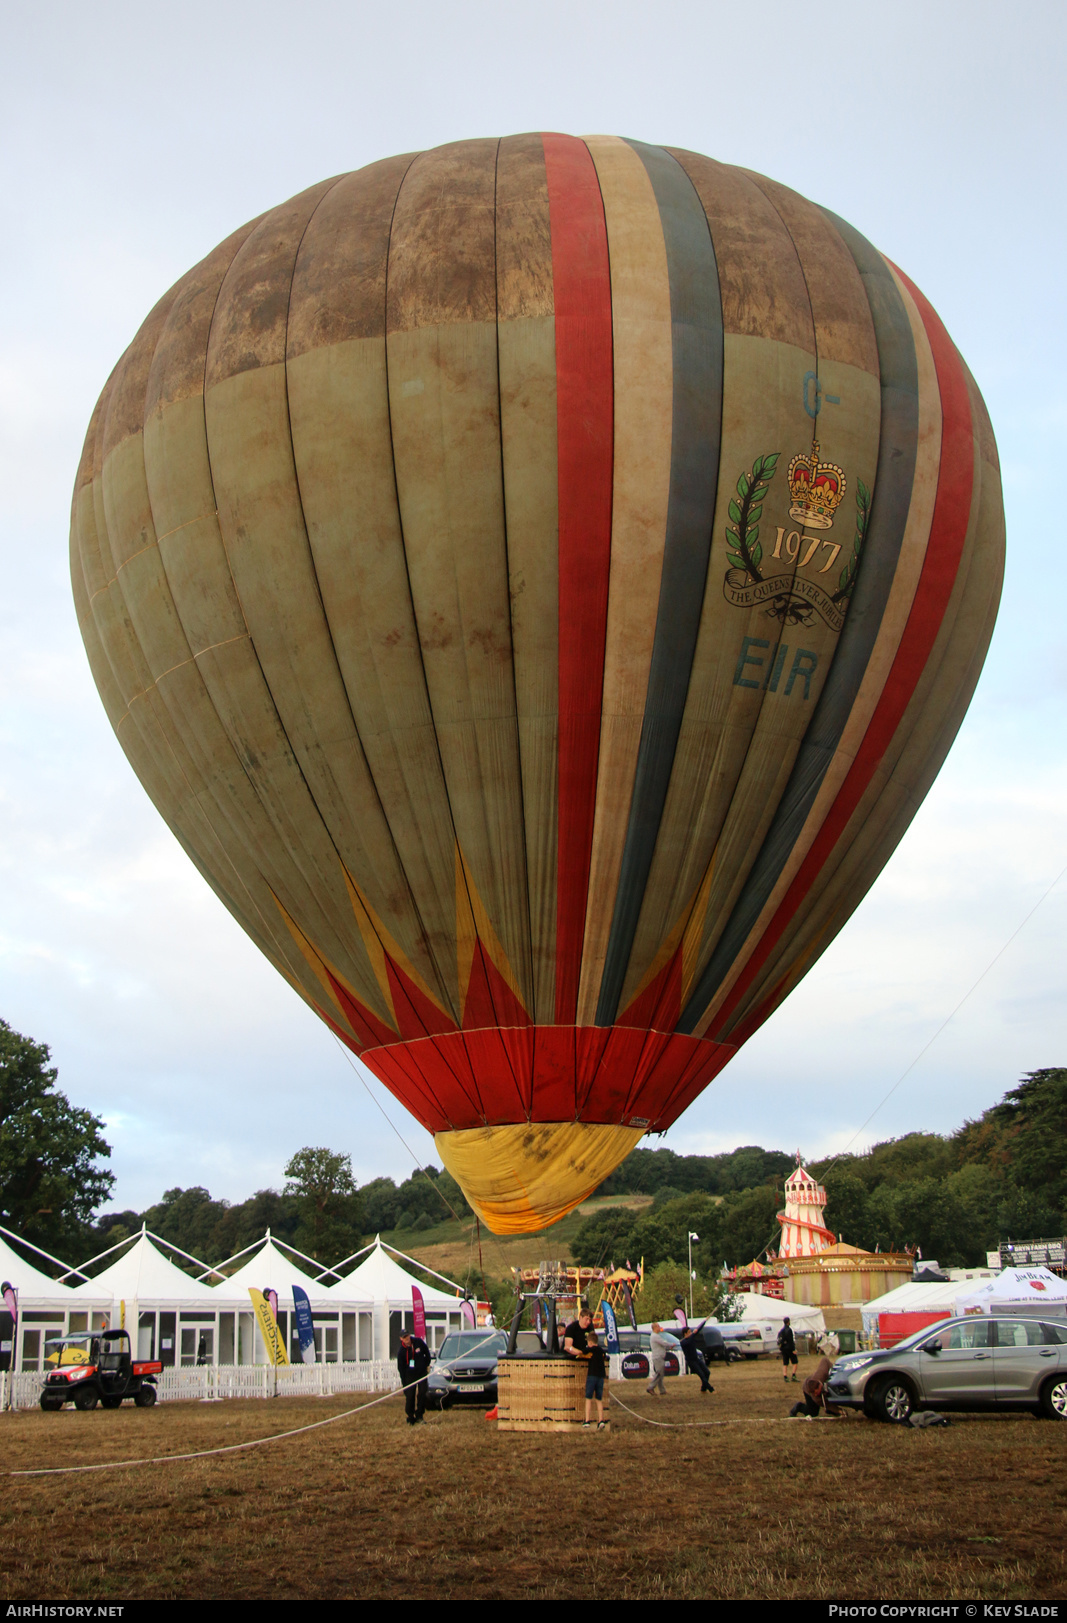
537, 580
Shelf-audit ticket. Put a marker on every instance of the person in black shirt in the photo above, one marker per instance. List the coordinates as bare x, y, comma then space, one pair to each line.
695, 1362
413, 1362
596, 1370
574, 1337
787, 1346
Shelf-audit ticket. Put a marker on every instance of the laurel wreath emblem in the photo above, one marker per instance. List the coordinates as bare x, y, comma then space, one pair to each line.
742, 535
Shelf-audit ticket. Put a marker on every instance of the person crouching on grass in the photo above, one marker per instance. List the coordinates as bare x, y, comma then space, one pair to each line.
814, 1400
596, 1371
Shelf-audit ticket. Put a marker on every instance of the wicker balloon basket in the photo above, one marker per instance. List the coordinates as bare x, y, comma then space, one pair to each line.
541, 1394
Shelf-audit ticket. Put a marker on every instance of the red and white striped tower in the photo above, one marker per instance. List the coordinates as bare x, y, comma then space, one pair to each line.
803, 1231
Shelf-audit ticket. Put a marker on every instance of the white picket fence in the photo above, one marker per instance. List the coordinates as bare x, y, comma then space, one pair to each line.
212, 1381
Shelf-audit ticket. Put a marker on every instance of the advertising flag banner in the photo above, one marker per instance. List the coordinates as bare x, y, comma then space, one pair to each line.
9, 1333
679, 1314
305, 1327
268, 1328
630, 1304
469, 1315
272, 1298
418, 1309
611, 1328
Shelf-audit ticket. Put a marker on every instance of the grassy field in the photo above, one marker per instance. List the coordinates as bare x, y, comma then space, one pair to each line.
750, 1506
452, 1247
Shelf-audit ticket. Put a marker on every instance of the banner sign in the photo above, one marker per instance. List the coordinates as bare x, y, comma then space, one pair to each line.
630, 1304
268, 1328
305, 1327
679, 1314
9, 1334
272, 1298
418, 1312
611, 1328
468, 1313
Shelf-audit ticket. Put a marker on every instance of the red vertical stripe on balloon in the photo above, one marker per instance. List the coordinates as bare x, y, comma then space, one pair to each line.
948, 532
585, 427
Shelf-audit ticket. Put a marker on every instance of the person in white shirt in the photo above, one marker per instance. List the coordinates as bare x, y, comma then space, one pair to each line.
660, 1345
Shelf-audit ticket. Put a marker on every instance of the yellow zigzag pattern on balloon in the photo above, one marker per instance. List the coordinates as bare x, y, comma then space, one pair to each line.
378, 941
473, 924
688, 928
322, 969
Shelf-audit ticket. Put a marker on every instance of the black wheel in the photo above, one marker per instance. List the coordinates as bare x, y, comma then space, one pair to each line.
86, 1398
144, 1397
1054, 1398
111, 1402
48, 1402
891, 1399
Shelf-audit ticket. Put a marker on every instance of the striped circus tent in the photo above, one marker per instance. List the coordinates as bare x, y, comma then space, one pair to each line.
538, 580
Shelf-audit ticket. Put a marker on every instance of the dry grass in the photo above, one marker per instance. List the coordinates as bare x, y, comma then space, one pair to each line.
369, 1508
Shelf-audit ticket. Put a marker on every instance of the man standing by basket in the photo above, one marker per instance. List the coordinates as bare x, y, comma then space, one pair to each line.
413, 1363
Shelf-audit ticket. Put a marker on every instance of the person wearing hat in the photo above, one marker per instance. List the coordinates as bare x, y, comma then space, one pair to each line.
787, 1346
413, 1362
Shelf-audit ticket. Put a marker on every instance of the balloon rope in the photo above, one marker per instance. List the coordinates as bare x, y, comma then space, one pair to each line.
207, 1453
944, 1023
699, 1425
420, 1170
395, 1128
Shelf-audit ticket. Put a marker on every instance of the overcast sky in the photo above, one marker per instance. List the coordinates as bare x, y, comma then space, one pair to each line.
135, 137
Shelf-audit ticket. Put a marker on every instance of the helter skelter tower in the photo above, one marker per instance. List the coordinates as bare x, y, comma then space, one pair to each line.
803, 1231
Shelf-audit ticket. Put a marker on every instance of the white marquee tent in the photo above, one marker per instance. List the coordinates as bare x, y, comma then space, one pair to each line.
343, 1315
46, 1308
1037, 1292
184, 1320
381, 1278
923, 1296
169, 1314
773, 1310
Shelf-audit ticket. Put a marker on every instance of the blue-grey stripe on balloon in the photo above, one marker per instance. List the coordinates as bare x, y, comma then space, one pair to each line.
897, 447
696, 427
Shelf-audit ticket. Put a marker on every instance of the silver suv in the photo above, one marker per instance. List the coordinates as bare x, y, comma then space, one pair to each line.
970, 1363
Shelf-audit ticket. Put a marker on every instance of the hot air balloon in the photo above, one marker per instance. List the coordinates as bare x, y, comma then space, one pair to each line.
537, 580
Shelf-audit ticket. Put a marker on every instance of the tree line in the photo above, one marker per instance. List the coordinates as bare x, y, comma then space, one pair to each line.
954, 1197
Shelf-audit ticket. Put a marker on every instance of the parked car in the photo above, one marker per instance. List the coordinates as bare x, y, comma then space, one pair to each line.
92, 1369
636, 1348
750, 1340
464, 1370
975, 1362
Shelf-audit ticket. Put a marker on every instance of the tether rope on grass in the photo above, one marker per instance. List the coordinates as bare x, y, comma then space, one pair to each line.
235, 1448
206, 1453
700, 1425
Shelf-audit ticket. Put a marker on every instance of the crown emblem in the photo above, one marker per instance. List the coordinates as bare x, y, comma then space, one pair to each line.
816, 489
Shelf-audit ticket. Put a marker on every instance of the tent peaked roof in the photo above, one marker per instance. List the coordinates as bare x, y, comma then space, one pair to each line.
144, 1274
381, 1277
1032, 1288
33, 1286
271, 1268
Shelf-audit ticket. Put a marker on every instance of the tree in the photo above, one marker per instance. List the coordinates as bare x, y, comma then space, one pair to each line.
748, 1224
665, 1283
321, 1184
50, 1180
1025, 1135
